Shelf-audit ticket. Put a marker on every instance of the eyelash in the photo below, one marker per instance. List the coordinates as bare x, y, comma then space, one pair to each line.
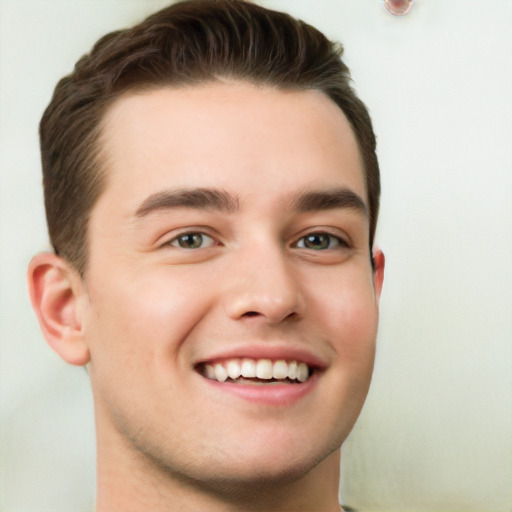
338, 241
176, 241
333, 241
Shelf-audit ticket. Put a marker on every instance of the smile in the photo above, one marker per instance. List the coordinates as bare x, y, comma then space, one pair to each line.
257, 371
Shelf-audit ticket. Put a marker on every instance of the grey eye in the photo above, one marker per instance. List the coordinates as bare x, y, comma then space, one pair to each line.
192, 241
318, 241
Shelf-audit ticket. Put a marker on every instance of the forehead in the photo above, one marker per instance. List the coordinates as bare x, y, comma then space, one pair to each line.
228, 135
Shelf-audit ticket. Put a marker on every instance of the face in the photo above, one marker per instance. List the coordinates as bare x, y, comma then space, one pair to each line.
230, 307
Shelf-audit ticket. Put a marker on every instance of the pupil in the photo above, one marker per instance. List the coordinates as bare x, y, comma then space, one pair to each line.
191, 241
317, 242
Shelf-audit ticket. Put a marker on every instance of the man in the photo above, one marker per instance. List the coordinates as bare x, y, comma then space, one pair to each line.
212, 191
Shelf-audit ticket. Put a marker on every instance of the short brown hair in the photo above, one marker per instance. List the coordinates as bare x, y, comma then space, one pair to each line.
186, 43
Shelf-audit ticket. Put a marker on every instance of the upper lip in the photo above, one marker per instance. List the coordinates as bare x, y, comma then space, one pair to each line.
274, 352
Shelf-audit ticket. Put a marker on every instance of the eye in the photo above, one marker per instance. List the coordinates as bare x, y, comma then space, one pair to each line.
192, 241
320, 242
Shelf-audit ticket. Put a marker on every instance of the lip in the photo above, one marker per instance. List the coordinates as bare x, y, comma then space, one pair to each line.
274, 395
266, 394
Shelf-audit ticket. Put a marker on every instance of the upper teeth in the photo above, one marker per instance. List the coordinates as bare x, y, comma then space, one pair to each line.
264, 369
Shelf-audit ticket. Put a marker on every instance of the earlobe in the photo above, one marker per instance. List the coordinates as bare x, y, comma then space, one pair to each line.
55, 292
378, 271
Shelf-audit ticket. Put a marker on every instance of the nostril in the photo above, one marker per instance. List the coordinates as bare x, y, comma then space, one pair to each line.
271, 306
251, 313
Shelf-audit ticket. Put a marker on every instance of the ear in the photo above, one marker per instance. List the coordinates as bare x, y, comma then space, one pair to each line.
56, 293
378, 271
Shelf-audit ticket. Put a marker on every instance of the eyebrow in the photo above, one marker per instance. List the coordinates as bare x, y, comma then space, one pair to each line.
329, 200
214, 199
197, 198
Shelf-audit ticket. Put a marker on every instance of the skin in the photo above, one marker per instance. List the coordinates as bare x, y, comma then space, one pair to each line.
148, 310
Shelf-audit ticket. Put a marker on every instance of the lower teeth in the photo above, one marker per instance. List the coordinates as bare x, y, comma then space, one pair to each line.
242, 380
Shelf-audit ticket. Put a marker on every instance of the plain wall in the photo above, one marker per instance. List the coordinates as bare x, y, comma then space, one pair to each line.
436, 432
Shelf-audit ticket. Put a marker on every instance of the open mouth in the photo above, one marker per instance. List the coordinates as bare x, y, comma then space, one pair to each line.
256, 371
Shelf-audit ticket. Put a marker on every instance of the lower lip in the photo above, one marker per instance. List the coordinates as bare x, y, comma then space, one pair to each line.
267, 394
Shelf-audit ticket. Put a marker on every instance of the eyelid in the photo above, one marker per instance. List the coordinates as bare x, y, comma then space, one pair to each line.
169, 238
343, 240
175, 242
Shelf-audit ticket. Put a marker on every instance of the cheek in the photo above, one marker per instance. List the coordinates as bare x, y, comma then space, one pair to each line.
351, 315
135, 332
138, 319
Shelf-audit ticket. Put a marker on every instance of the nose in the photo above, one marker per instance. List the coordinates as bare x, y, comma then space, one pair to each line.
264, 285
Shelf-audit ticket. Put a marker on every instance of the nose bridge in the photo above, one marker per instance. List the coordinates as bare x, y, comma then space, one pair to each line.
262, 283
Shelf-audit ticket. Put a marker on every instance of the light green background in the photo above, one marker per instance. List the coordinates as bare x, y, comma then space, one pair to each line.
436, 433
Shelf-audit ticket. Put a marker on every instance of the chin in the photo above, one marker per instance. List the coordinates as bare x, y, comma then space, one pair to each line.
264, 472
253, 483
